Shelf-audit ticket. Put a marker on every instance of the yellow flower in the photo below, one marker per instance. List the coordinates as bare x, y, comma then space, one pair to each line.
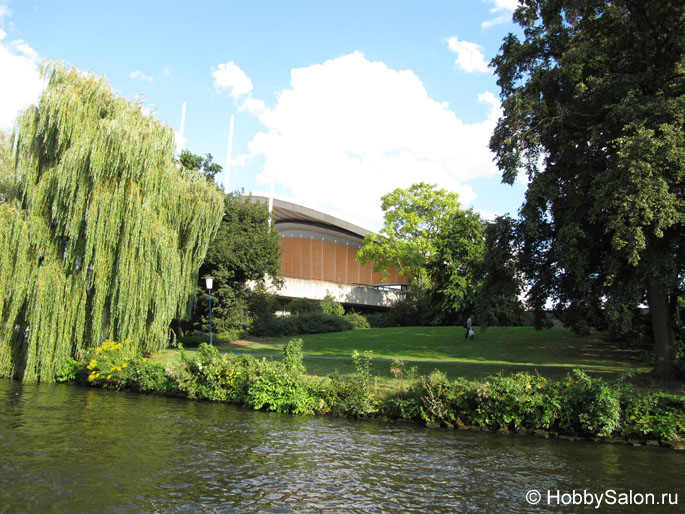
124, 365
91, 377
113, 368
109, 376
92, 364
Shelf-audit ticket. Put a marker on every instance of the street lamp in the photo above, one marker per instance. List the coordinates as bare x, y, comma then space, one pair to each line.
209, 282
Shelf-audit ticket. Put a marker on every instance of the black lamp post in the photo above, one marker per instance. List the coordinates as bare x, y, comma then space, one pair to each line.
209, 282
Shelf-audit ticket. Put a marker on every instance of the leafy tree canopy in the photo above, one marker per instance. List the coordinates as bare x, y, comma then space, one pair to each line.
501, 283
204, 165
412, 221
8, 179
594, 111
430, 239
105, 236
244, 249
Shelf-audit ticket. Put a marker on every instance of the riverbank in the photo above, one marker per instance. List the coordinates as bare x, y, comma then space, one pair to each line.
579, 406
162, 454
551, 353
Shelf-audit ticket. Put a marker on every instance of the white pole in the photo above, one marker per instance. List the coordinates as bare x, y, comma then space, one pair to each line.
271, 203
179, 143
227, 174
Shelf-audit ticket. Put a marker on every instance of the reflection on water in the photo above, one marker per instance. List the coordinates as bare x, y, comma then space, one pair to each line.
72, 449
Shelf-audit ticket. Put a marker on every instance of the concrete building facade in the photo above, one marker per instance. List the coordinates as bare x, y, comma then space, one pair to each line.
318, 257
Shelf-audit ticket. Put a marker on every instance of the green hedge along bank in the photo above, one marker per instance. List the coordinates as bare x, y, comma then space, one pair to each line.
578, 406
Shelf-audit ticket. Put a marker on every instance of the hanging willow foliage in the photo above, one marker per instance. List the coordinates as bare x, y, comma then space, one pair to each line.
106, 236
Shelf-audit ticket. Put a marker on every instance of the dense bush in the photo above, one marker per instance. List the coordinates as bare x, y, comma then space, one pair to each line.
118, 366
381, 320
357, 320
310, 323
578, 405
587, 406
352, 397
302, 306
329, 305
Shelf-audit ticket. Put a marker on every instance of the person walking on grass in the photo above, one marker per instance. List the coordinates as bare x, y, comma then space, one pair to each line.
469, 327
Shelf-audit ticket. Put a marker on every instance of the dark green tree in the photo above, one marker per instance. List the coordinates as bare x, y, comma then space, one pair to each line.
501, 284
243, 250
594, 111
454, 266
430, 239
204, 165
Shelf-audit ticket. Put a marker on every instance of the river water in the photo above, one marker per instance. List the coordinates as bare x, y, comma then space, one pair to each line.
73, 449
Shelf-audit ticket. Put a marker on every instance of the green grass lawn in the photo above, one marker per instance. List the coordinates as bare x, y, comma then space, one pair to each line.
551, 352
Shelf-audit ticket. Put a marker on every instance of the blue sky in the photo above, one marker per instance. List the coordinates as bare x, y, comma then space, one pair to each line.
336, 103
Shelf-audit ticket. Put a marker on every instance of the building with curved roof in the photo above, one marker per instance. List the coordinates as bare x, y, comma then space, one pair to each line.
318, 256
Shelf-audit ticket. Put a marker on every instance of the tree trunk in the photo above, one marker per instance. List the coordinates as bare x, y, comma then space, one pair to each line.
662, 325
178, 328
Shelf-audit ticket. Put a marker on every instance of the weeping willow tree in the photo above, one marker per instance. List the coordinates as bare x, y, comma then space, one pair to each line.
104, 236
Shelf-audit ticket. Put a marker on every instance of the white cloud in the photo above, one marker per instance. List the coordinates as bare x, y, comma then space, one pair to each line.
231, 77
139, 75
495, 21
20, 81
505, 5
349, 130
500, 5
470, 57
5, 12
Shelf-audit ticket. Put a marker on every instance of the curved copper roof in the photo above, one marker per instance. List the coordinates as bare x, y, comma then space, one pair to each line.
289, 212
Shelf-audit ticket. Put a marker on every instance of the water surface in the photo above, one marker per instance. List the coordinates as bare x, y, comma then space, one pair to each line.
73, 449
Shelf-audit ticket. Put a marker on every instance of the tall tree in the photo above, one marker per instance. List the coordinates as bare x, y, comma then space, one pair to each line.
454, 265
594, 110
106, 237
8, 178
431, 240
244, 249
413, 218
501, 284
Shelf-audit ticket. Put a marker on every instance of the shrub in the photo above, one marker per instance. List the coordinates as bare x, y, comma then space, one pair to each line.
353, 396
146, 376
211, 376
302, 306
381, 320
329, 305
194, 340
273, 388
651, 414
109, 364
357, 321
500, 401
587, 406
72, 371
435, 394
312, 323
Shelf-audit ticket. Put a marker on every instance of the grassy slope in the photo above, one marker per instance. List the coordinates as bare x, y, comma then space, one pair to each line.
551, 352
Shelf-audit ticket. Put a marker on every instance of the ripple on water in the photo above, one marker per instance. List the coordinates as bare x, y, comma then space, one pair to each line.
78, 450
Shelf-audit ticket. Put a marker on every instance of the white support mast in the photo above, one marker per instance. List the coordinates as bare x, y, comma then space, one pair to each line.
227, 173
179, 143
271, 202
